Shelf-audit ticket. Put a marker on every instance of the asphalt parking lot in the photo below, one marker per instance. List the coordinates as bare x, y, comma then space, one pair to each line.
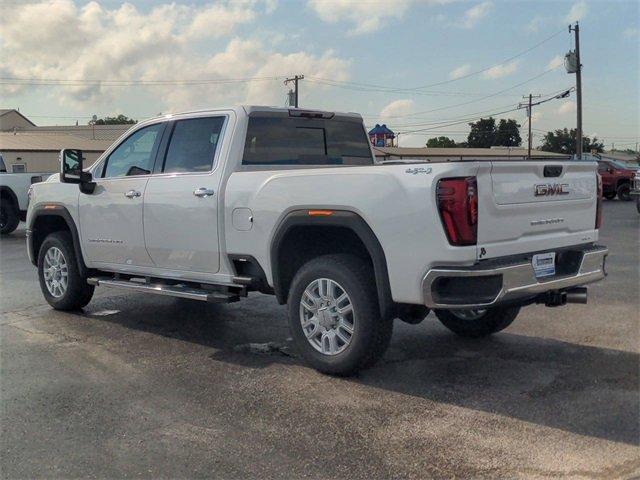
140, 386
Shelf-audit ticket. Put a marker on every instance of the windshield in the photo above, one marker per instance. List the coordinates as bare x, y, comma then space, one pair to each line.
618, 164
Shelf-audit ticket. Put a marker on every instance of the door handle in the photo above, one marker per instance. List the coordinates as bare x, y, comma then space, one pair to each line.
132, 194
203, 192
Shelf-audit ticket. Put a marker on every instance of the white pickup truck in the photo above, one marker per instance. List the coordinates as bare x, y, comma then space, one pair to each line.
213, 204
14, 188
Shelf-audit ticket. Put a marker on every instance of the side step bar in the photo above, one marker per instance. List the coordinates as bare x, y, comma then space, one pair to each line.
181, 291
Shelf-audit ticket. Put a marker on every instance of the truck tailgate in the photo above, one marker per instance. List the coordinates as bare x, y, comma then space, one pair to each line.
529, 206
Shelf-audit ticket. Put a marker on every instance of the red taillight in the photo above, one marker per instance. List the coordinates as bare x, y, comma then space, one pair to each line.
599, 202
458, 206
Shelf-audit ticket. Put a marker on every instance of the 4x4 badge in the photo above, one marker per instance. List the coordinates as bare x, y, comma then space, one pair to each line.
417, 170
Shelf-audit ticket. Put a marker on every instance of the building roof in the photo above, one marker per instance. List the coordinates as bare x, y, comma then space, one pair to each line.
5, 111
23, 141
91, 132
424, 152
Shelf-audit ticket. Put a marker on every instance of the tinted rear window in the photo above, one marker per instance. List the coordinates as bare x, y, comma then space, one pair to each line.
304, 141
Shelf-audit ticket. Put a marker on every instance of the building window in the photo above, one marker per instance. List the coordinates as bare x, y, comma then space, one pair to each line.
18, 168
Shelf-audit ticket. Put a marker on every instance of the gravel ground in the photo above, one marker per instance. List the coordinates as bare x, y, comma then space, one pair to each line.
140, 386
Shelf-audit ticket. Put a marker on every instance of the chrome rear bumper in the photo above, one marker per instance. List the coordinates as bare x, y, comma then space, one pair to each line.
513, 281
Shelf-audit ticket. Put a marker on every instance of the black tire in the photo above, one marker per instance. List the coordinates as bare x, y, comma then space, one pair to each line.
609, 195
638, 203
78, 292
624, 192
494, 320
9, 217
371, 333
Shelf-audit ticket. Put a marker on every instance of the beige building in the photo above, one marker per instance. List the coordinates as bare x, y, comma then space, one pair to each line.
36, 152
27, 147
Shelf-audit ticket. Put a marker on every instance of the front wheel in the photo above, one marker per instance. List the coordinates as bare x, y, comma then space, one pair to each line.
60, 281
609, 195
478, 322
334, 315
624, 192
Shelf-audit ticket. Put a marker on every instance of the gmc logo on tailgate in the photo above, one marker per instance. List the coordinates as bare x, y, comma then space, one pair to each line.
547, 189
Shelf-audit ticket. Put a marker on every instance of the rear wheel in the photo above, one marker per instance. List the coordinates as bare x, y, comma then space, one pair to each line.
478, 322
638, 203
60, 281
9, 217
334, 315
624, 192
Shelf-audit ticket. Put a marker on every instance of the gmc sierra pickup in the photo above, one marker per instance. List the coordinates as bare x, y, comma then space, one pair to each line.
213, 204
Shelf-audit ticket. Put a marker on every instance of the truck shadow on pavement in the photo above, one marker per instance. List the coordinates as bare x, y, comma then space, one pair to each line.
581, 389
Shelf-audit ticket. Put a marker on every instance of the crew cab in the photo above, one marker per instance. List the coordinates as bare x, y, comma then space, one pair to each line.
211, 205
14, 188
617, 179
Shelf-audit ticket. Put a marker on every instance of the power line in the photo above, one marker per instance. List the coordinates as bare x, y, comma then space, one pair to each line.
477, 99
450, 80
128, 83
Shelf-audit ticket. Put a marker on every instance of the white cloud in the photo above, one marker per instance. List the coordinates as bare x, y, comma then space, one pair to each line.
459, 72
501, 70
61, 40
396, 108
555, 62
566, 107
578, 12
475, 14
365, 17
631, 32
219, 19
536, 115
535, 23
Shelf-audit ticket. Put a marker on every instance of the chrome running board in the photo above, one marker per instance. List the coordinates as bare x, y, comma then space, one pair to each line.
179, 290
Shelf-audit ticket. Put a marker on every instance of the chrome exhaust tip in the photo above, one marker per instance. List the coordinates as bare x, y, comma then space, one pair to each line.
577, 295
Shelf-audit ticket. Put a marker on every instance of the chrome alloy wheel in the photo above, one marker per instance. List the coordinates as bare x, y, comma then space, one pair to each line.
469, 314
56, 272
327, 316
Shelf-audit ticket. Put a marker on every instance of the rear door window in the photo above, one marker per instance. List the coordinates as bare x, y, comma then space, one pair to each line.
280, 140
193, 144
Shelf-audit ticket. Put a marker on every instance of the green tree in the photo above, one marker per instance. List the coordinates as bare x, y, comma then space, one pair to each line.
441, 142
508, 133
483, 133
119, 120
564, 141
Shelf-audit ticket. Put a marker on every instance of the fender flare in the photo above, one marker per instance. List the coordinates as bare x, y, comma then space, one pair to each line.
339, 218
56, 210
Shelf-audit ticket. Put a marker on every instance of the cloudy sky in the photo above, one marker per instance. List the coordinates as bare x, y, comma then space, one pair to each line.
424, 67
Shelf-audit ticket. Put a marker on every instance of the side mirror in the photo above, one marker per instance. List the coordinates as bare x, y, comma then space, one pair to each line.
71, 166
71, 170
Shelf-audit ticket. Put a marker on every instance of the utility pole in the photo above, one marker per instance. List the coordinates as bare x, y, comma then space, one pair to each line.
529, 117
295, 88
576, 30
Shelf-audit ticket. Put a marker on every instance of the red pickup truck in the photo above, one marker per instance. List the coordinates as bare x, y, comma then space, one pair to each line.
616, 179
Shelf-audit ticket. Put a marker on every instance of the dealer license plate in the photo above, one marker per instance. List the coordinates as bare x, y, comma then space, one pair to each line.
544, 264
